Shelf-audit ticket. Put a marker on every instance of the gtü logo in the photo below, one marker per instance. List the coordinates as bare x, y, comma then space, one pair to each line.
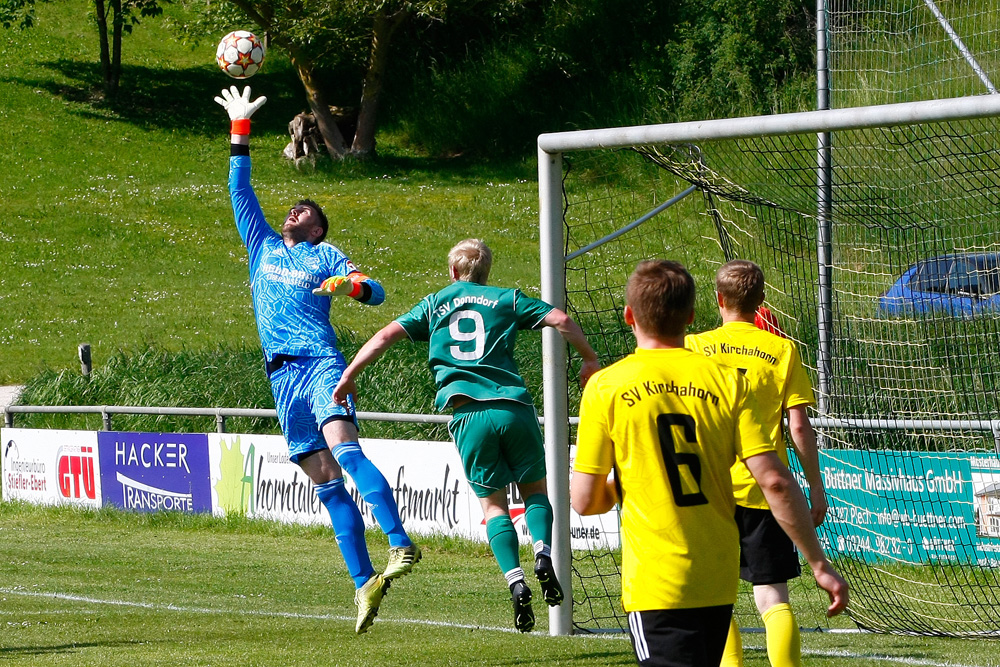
76, 474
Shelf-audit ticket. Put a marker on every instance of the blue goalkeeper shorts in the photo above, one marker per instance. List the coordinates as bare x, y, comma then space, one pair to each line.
303, 397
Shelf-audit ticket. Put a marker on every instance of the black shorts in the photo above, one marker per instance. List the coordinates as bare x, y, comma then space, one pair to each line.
767, 554
680, 637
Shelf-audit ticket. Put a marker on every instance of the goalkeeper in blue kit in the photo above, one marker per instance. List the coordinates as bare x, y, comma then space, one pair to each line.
293, 275
471, 328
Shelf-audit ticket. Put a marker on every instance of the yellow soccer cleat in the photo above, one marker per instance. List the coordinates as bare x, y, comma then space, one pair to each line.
401, 561
368, 598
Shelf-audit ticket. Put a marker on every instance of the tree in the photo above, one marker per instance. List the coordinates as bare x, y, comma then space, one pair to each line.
318, 33
122, 14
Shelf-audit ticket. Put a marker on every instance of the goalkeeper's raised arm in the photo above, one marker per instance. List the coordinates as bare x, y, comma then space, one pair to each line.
293, 275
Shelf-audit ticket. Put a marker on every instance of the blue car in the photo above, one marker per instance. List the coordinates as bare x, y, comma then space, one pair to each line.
960, 285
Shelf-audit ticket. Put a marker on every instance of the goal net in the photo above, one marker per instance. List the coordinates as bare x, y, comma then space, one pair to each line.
888, 279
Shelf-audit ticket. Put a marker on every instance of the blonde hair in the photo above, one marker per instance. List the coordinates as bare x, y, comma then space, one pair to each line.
741, 285
472, 259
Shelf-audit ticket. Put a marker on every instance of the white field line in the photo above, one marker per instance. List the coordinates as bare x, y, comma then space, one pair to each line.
914, 662
918, 662
249, 612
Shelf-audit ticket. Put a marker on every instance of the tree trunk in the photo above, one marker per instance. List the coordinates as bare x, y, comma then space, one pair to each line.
117, 24
102, 31
333, 139
385, 27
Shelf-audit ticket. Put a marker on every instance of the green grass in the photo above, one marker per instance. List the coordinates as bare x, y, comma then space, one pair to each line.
118, 230
233, 377
110, 588
192, 590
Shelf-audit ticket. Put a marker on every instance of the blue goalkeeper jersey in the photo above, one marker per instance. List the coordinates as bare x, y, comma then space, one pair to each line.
291, 320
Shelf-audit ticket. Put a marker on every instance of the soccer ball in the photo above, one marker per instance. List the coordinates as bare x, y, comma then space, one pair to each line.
240, 54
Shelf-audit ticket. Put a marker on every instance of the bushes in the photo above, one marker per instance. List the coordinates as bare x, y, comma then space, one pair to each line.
594, 63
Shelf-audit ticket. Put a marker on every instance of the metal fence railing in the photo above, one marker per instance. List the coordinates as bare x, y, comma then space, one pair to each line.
220, 414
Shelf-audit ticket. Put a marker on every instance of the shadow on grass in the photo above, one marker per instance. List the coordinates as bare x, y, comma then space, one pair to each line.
16, 651
183, 100
168, 99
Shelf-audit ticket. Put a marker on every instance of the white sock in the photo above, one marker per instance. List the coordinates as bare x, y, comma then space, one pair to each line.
513, 576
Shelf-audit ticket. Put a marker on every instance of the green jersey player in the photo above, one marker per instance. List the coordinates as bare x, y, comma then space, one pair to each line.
471, 328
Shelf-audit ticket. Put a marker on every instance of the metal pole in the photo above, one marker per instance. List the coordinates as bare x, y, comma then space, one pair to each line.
632, 225
824, 232
960, 45
803, 122
554, 383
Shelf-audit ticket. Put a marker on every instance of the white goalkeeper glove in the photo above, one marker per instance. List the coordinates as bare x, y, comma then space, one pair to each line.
240, 108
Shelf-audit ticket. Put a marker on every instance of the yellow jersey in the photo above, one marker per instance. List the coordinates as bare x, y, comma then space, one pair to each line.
777, 378
671, 423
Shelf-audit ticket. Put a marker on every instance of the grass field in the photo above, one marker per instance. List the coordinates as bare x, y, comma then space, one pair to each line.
113, 589
117, 228
117, 231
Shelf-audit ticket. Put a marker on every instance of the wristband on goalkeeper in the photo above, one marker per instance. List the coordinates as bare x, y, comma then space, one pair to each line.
240, 126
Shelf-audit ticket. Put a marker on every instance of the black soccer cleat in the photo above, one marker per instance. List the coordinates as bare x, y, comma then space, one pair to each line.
552, 592
524, 616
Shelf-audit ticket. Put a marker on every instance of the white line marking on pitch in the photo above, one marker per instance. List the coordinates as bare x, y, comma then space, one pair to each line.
921, 662
251, 612
834, 653
916, 662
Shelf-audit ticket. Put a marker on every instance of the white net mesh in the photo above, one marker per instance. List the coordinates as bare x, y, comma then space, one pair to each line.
885, 51
913, 319
890, 360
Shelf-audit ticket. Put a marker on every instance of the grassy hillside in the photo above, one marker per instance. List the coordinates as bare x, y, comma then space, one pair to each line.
116, 225
118, 231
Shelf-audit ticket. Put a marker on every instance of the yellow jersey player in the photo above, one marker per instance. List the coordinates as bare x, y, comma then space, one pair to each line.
772, 366
671, 423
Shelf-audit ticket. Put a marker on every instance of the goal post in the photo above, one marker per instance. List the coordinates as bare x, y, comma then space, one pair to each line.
752, 204
555, 382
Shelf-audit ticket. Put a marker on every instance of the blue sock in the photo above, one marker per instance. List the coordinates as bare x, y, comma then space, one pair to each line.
374, 489
349, 528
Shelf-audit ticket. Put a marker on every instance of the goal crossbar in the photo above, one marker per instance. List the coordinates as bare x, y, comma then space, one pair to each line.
805, 122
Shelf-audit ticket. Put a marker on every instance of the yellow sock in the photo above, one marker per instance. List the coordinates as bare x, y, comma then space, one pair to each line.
733, 655
783, 644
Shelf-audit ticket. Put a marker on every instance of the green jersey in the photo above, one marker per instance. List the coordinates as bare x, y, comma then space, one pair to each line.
471, 329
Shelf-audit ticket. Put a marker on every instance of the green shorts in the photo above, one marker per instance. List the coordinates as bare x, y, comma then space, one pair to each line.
500, 443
